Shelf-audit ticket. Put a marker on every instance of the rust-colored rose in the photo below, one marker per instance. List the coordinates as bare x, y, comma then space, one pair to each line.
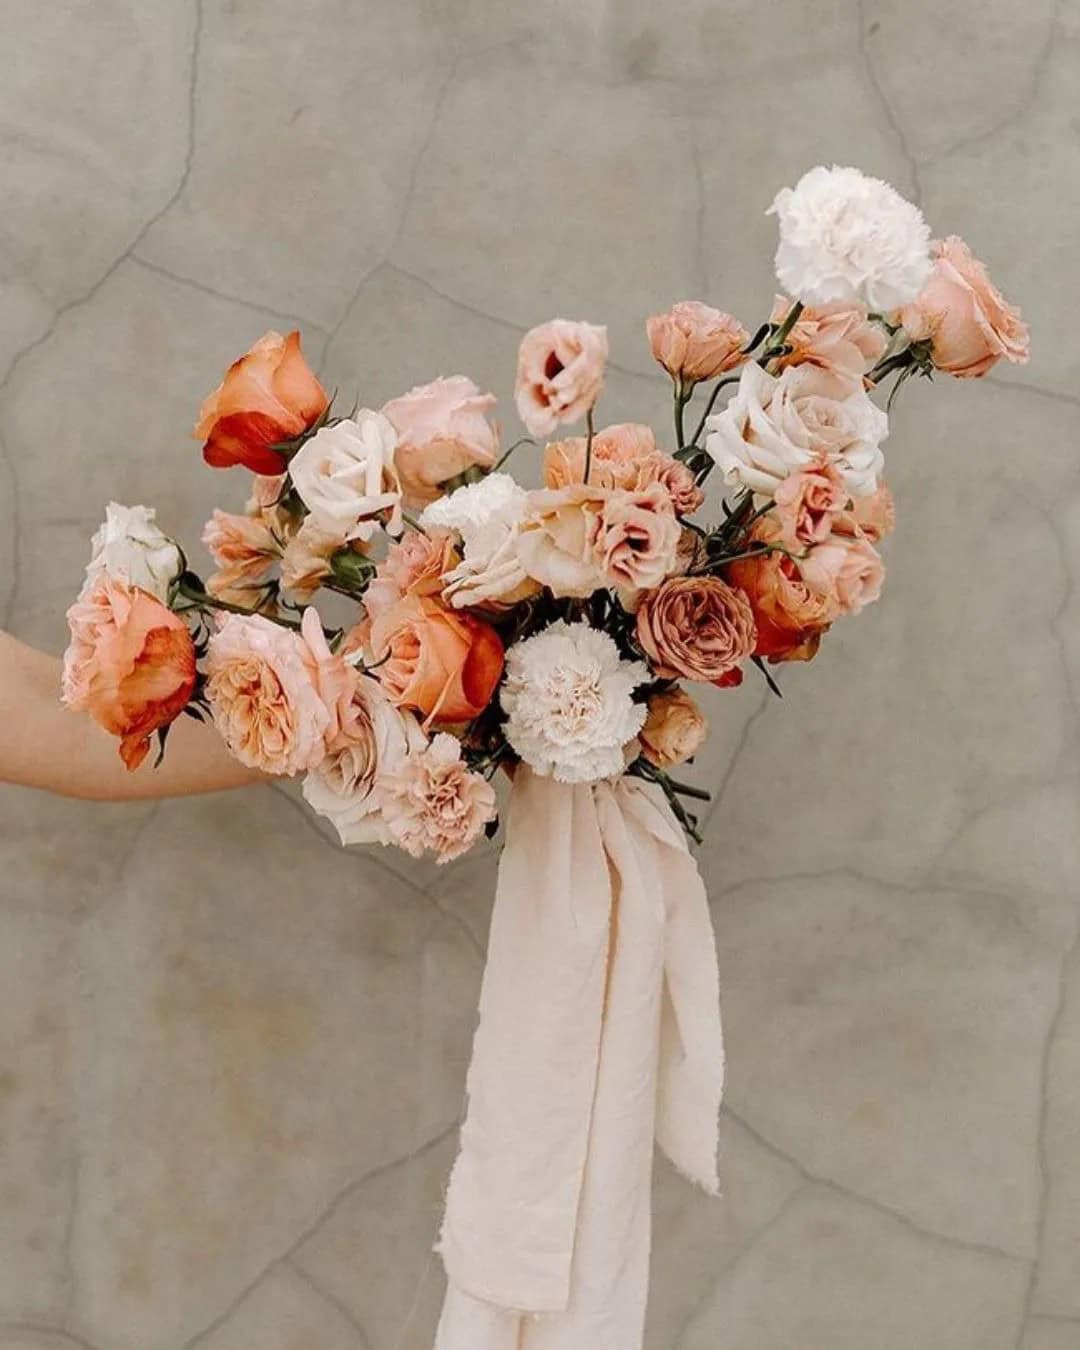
441, 662
699, 628
674, 729
269, 396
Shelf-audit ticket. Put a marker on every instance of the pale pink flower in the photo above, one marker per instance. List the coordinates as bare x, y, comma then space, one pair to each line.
557, 542
246, 552
560, 373
261, 684
637, 538
695, 342
809, 502
873, 517
839, 339
434, 803
442, 431
848, 567
306, 562
623, 456
966, 319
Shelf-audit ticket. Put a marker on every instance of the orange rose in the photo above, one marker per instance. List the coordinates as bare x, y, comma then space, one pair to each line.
130, 665
441, 662
791, 611
969, 324
268, 396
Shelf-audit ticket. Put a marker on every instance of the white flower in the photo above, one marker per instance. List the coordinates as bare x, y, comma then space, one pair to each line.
777, 424
487, 515
844, 236
567, 697
346, 477
129, 546
346, 787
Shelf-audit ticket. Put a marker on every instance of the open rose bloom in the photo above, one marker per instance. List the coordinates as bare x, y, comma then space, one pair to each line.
562, 626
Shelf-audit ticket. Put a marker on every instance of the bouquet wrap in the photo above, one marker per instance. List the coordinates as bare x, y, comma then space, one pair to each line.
599, 1031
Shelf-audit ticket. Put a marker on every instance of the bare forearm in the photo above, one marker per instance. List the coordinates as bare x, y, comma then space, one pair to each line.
43, 745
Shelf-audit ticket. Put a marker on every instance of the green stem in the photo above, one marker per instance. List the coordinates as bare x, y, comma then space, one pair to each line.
682, 398
720, 384
525, 440
203, 600
776, 342
588, 444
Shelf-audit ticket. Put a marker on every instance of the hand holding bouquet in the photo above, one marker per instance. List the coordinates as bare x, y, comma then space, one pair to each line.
559, 627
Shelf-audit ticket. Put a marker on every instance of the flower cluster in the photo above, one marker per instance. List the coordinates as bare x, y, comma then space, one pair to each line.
557, 627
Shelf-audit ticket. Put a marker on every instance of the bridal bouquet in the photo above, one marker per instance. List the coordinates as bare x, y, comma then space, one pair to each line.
557, 632
562, 627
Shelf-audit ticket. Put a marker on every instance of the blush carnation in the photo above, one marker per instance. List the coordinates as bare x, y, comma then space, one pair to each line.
845, 237
488, 516
432, 802
568, 701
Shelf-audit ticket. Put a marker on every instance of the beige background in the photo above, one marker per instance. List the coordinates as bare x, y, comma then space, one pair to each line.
231, 1055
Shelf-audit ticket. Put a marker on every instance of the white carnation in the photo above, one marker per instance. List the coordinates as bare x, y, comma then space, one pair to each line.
131, 547
847, 237
777, 424
567, 697
346, 476
487, 515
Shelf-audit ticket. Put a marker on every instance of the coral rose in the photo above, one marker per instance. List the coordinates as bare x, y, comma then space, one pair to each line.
968, 323
560, 373
808, 504
442, 663
698, 628
442, 430
695, 342
837, 338
261, 685
130, 664
267, 397
433, 802
674, 729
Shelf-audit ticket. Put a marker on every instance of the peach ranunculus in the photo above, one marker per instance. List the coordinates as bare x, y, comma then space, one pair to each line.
434, 802
556, 544
416, 565
961, 313
263, 692
560, 373
442, 430
623, 456
130, 664
637, 538
246, 552
809, 502
695, 342
697, 628
443, 663
674, 729
267, 397
873, 517
839, 339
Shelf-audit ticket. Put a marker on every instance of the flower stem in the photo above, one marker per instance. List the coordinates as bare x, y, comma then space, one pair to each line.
588, 443
776, 343
524, 440
682, 398
720, 384
201, 599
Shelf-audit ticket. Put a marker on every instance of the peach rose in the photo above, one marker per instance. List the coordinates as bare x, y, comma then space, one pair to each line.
695, 342
698, 628
442, 431
849, 567
433, 802
968, 323
674, 729
307, 560
637, 538
839, 339
262, 688
267, 397
623, 456
556, 544
560, 373
130, 664
441, 662
246, 551
809, 502
873, 517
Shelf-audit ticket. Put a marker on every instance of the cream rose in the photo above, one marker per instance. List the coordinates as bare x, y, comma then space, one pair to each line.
131, 547
346, 476
777, 424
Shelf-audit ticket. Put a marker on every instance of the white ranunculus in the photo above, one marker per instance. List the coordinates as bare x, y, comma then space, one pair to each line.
487, 515
130, 546
777, 424
346, 477
847, 237
345, 787
567, 697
